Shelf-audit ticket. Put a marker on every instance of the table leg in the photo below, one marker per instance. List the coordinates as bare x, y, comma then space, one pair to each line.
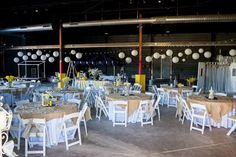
232, 129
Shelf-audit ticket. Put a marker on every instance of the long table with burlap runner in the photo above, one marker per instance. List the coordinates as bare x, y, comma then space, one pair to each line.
216, 108
133, 100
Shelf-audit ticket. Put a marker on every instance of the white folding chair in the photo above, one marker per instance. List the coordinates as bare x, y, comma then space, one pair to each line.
36, 128
156, 106
100, 107
69, 125
147, 109
76, 101
198, 92
150, 94
136, 88
220, 94
161, 92
199, 112
232, 118
16, 129
120, 108
171, 98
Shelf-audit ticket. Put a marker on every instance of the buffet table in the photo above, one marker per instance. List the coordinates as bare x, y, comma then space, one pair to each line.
219, 108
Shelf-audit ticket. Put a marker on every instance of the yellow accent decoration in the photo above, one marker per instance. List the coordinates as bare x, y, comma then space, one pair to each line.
141, 79
10, 78
61, 83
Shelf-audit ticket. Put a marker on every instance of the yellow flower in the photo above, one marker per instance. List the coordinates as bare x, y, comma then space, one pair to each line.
10, 78
180, 85
66, 79
191, 79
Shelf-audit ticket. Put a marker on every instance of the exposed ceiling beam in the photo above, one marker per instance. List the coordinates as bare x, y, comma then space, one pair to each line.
129, 44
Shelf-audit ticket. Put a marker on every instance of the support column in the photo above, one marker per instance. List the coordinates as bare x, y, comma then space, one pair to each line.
140, 78
61, 74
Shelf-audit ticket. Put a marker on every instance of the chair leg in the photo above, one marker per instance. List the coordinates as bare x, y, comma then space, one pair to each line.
100, 113
44, 143
203, 125
126, 117
141, 119
26, 147
152, 120
85, 127
79, 135
159, 116
66, 140
191, 125
18, 137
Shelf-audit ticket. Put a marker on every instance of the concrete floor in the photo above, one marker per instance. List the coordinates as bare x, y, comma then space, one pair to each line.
167, 138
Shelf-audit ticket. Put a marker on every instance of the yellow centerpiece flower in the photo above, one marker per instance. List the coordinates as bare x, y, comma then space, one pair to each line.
10, 79
191, 80
179, 85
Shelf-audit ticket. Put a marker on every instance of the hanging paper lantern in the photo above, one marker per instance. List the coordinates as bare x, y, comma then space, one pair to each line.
78, 55
156, 55
232, 52
43, 57
169, 52
148, 59
55, 53
73, 52
163, 56
134, 52
207, 54
34, 56
39, 52
195, 56
47, 55
180, 54
51, 59
188, 51
175, 59
25, 57
16, 59
200, 50
121, 55
67, 59
29, 53
128, 60
20, 54
183, 60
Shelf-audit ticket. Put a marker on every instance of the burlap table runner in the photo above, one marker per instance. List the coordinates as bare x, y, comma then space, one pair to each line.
216, 108
133, 101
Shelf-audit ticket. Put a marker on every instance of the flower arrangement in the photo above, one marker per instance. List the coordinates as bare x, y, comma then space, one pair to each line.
95, 73
66, 80
191, 80
10, 78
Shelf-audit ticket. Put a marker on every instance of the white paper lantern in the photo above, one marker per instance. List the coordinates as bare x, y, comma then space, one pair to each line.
183, 60
25, 57
188, 51
55, 53
47, 55
207, 54
175, 59
121, 55
156, 55
128, 60
163, 56
16, 59
73, 52
29, 53
78, 55
148, 59
200, 50
67, 59
34, 56
134, 52
169, 52
180, 54
43, 57
51, 59
232, 52
39, 52
195, 56
20, 54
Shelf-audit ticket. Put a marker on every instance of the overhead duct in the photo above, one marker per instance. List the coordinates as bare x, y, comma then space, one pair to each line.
42, 27
157, 20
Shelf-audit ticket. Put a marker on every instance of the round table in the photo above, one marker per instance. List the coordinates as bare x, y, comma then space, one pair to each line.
36, 110
217, 108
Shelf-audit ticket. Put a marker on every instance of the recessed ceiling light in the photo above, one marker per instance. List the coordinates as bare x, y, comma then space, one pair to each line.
36, 10
159, 1
106, 33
